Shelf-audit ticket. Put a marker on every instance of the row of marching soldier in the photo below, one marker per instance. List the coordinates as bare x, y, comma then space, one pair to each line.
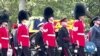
50, 43
46, 41
22, 35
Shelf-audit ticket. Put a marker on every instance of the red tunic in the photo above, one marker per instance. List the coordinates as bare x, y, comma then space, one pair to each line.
49, 34
78, 33
23, 36
71, 36
4, 37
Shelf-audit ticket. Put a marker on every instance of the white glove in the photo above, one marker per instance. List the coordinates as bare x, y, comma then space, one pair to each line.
75, 51
60, 48
20, 47
37, 47
46, 46
16, 48
95, 49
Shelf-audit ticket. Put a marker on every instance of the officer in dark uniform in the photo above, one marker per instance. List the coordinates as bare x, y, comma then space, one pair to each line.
63, 38
39, 41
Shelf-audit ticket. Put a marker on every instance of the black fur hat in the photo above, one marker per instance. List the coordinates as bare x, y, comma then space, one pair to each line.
23, 15
48, 12
4, 17
79, 10
94, 19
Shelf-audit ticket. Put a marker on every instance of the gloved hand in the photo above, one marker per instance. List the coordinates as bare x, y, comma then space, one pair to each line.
20, 47
46, 46
37, 47
60, 48
96, 49
16, 48
75, 50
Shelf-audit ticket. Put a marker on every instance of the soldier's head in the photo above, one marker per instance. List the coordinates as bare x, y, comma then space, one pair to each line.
79, 11
48, 14
4, 18
23, 17
95, 21
63, 22
40, 26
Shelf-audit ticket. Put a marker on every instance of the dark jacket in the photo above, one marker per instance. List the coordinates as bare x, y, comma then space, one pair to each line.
63, 37
39, 40
95, 35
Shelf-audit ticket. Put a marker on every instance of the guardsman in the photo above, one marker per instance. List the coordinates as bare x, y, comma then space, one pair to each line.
4, 34
79, 29
49, 32
23, 34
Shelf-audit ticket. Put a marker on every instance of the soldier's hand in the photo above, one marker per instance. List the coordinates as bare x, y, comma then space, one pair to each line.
46, 46
75, 50
9, 46
96, 49
20, 47
60, 48
16, 48
38, 46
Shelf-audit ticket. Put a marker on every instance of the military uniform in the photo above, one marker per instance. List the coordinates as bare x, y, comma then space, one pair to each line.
79, 29
63, 40
23, 35
4, 33
39, 42
49, 32
4, 36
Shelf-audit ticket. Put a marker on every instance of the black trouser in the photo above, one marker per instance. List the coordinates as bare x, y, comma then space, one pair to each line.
0, 52
64, 52
98, 52
25, 51
41, 53
51, 51
80, 51
4, 51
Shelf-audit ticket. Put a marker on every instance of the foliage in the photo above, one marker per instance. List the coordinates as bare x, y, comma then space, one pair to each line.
62, 8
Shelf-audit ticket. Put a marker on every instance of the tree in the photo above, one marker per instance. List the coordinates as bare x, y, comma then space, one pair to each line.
62, 8
22, 4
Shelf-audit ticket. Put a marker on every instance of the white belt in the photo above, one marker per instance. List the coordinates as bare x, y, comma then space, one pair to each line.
5, 38
80, 34
25, 36
51, 35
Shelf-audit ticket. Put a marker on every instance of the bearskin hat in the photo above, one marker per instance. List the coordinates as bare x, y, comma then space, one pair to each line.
4, 17
94, 19
23, 15
79, 10
48, 12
